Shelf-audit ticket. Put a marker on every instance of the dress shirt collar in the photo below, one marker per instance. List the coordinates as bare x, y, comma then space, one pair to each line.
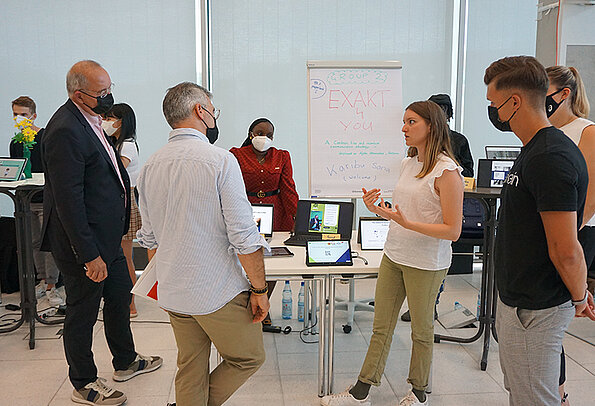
94, 121
187, 131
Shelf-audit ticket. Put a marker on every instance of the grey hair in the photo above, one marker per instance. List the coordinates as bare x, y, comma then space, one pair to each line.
76, 78
181, 99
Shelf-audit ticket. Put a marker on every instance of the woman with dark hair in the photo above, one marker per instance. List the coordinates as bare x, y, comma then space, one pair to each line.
268, 176
426, 216
120, 125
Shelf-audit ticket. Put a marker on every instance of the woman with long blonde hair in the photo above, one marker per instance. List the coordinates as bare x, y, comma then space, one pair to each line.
426, 217
567, 108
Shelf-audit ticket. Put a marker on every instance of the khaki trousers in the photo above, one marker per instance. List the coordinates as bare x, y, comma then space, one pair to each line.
395, 282
237, 339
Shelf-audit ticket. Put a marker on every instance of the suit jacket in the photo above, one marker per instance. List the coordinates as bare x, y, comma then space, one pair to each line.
86, 209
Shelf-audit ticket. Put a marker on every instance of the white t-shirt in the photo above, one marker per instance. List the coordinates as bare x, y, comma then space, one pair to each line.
574, 131
419, 201
130, 152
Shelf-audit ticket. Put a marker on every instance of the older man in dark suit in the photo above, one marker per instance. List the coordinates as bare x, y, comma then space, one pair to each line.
86, 208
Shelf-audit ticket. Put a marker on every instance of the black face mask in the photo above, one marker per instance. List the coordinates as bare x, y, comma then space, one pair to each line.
493, 116
551, 105
212, 133
104, 104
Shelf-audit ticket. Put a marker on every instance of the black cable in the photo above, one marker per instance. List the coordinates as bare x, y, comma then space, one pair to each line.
8, 321
301, 332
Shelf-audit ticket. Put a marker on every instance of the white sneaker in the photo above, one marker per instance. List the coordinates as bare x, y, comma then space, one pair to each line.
54, 297
344, 399
412, 400
40, 289
97, 393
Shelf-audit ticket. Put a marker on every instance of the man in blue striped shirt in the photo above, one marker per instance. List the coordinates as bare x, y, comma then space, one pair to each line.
209, 259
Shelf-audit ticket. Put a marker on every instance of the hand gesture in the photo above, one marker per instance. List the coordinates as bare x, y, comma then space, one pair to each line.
260, 307
586, 309
370, 198
96, 270
393, 213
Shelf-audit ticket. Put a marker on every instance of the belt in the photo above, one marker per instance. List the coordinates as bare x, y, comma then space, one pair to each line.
260, 194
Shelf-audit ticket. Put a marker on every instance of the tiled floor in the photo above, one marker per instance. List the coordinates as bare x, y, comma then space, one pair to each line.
38, 377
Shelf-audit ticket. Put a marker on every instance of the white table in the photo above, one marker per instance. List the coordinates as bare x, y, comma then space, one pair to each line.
284, 268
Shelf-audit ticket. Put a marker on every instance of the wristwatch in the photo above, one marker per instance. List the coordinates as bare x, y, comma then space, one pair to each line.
582, 301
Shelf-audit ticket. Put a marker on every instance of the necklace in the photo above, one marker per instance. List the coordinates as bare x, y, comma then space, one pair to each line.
261, 159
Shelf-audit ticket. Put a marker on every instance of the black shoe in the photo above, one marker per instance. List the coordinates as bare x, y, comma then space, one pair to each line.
269, 328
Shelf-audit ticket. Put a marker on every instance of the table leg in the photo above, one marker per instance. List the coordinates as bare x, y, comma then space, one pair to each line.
488, 289
307, 307
20, 264
314, 315
331, 332
322, 389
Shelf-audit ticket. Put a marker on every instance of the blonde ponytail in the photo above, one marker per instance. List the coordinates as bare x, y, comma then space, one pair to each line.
580, 103
567, 77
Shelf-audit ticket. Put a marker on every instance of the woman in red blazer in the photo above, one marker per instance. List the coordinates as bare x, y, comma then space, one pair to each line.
268, 176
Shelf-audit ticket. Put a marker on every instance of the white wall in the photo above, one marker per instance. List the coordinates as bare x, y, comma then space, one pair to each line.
496, 29
575, 28
260, 49
145, 45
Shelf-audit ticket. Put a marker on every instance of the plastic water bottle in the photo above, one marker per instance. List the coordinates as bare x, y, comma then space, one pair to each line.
286, 302
458, 305
301, 303
478, 306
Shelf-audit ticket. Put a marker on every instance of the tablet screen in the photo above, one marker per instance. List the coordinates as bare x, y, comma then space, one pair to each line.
11, 168
373, 234
328, 253
263, 217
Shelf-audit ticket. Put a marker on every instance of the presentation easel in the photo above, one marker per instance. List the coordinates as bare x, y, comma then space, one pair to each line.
355, 109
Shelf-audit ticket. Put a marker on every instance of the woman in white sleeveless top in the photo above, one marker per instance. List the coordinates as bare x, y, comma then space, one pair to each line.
426, 217
567, 107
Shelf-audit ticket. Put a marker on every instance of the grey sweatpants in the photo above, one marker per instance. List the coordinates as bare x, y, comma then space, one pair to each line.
530, 343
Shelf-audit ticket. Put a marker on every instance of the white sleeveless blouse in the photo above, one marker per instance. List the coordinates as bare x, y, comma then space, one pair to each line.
574, 131
419, 202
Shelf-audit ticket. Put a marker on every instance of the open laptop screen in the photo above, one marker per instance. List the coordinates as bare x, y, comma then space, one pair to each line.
324, 217
11, 168
492, 172
373, 233
502, 152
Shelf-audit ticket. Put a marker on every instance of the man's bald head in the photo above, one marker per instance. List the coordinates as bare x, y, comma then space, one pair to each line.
81, 74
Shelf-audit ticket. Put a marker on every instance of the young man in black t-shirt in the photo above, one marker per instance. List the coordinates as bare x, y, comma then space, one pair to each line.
540, 268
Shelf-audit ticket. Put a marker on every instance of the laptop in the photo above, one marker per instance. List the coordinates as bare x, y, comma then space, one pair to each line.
492, 172
328, 253
11, 169
502, 151
321, 220
263, 217
372, 232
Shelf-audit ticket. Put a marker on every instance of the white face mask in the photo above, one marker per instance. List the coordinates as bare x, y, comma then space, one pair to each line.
262, 143
19, 118
108, 127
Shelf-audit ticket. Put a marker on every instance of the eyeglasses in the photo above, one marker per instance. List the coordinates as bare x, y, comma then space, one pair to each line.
101, 93
215, 114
